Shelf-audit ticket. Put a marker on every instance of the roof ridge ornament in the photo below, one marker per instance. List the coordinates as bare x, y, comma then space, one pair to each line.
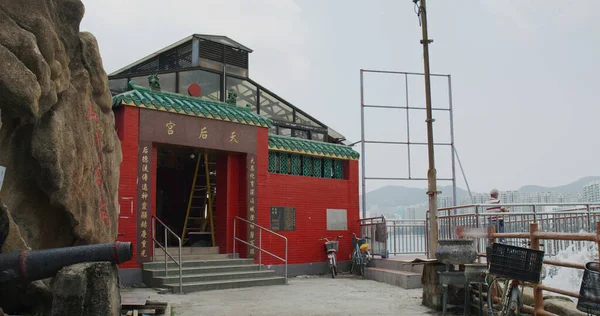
231, 97
154, 82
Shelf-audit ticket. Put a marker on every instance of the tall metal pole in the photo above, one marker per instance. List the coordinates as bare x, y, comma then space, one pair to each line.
432, 173
454, 196
362, 147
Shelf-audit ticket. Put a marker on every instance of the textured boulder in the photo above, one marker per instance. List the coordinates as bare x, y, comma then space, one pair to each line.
87, 289
57, 138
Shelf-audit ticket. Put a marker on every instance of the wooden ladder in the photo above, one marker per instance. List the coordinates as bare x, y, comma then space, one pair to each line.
195, 217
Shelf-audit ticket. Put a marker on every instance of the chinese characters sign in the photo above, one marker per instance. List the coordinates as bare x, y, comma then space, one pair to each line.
103, 210
177, 129
144, 234
251, 173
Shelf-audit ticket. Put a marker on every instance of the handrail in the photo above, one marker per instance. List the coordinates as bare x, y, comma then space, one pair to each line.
260, 250
165, 248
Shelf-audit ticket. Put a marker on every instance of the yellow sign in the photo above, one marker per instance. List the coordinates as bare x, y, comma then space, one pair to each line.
144, 205
232, 138
144, 233
144, 159
170, 127
144, 214
144, 168
144, 195
145, 176
203, 133
252, 251
252, 209
144, 224
252, 167
144, 186
143, 254
144, 243
145, 150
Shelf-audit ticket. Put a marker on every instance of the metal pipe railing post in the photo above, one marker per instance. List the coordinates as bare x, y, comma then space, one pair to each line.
534, 213
153, 238
589, 216
166, 251
180, 269
234, 221
260, 249
286, 261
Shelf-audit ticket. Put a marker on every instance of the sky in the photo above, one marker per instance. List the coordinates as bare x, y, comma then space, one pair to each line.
525, 92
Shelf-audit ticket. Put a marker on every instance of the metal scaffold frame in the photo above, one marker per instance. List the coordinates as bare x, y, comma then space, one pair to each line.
408, 108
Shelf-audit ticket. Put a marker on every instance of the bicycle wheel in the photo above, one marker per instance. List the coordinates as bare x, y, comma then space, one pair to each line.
353, 263
363, 263
332, 268
515, 303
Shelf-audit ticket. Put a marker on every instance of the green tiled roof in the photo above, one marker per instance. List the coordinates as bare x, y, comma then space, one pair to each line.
311, 147
177, 103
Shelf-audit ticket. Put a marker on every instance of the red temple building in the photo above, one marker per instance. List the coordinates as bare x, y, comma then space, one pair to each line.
203, 144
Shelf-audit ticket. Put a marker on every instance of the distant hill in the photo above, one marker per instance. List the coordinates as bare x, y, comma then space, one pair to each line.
573, 188
390, 197
394, 196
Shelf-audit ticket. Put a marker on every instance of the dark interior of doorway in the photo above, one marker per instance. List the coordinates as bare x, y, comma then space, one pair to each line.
175, 172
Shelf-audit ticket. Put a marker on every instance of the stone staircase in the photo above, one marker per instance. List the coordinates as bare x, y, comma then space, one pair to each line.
205, 269
403, 274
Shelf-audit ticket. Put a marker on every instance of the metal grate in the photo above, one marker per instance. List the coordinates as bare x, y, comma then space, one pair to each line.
296, 170
150, 65
176, 58
327, 168
272, 162
318, 169
306, 165
338, 169
211, 50
284, 166
236, 57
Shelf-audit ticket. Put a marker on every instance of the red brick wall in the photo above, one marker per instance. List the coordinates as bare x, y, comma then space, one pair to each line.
231, 199
311, 197
126, 124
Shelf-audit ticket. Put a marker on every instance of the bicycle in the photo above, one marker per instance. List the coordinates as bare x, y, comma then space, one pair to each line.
514, 265
360, 255
331, 247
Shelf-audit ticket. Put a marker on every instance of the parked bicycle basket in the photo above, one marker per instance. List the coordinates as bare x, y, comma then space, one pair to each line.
331, 245
589, 292
517, 263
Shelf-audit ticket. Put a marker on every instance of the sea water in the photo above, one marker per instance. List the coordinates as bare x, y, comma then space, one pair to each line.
569, 279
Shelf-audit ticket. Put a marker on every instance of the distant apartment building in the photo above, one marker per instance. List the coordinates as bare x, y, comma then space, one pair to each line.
591, 192
445, 201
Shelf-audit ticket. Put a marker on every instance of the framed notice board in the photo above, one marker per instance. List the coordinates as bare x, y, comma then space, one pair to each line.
283, 218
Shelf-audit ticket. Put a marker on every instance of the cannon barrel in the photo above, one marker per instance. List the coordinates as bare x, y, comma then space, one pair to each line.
41, 264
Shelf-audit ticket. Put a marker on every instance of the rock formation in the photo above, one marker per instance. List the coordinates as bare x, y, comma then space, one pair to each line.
57, 133
87, 289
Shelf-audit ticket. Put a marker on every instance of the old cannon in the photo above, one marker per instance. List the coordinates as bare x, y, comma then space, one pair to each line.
29, 266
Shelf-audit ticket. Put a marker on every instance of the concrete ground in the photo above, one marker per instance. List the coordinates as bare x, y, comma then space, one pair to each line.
303, 296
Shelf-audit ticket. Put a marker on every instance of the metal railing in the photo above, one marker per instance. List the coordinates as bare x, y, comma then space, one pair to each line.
376, 229
259, 248
412, 236
534, 235
406, 236
569, 218
165, 248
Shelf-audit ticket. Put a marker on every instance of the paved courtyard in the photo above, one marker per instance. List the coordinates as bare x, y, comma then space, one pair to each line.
303, 296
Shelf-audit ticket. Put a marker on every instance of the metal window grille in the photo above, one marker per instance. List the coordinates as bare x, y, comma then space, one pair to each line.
296, 170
